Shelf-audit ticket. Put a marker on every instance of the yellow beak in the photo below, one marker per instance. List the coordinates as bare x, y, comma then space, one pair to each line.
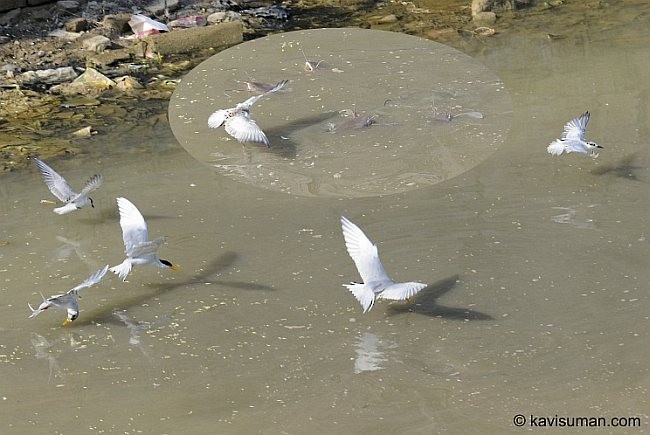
67, 322
174, 267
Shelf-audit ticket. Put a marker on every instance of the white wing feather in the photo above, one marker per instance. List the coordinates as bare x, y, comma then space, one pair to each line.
90, 281
55, 182
401, 291
93, 183
364, 253
134, 228
576, 128
246, 105
244, 129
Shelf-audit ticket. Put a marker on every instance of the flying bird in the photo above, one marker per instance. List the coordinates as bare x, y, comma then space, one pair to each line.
573, 139
68, 301
238, 122
62, 190
137, 246
376, 282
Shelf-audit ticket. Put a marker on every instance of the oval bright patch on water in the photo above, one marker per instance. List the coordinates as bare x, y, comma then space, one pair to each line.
365, 112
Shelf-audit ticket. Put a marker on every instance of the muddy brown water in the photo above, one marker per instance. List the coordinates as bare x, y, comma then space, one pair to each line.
538, 269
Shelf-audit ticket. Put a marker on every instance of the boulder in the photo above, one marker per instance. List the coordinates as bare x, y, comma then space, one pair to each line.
218, 36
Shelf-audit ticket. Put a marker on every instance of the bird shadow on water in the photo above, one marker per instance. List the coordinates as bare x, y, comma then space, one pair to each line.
623, 168
105, 315
425, 303
281, 143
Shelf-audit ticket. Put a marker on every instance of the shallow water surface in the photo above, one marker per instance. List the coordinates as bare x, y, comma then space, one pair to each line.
537, 303
400, 87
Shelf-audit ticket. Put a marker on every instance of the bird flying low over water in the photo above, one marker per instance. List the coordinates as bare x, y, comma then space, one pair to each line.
62, 190
238, 122
137, 246
376, 282
573, 139
68, 301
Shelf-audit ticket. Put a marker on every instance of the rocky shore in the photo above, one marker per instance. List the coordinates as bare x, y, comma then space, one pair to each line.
72, 69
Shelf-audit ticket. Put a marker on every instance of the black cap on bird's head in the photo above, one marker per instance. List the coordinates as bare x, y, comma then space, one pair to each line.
594, 144
92, 204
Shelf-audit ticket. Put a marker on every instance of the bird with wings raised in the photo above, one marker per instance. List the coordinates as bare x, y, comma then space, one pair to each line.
137, 246
376, 282
573, 139
62, 190
237, 120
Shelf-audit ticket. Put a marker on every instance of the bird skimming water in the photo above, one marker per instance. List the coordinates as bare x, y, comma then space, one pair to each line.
573, 139
68, 301
237, 120
376, 282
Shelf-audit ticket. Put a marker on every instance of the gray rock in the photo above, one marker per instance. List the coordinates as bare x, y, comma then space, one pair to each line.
62, 34
68, 5
223, 17
96, 43
162, 7
10, 17
187, 22
109, 57
57, 75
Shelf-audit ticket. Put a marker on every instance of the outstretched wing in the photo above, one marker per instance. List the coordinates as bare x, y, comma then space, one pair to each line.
364, 253
246, 105
134, 228
401, 291
244, 129
93, 183
90, 281
575, 129
55, 182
